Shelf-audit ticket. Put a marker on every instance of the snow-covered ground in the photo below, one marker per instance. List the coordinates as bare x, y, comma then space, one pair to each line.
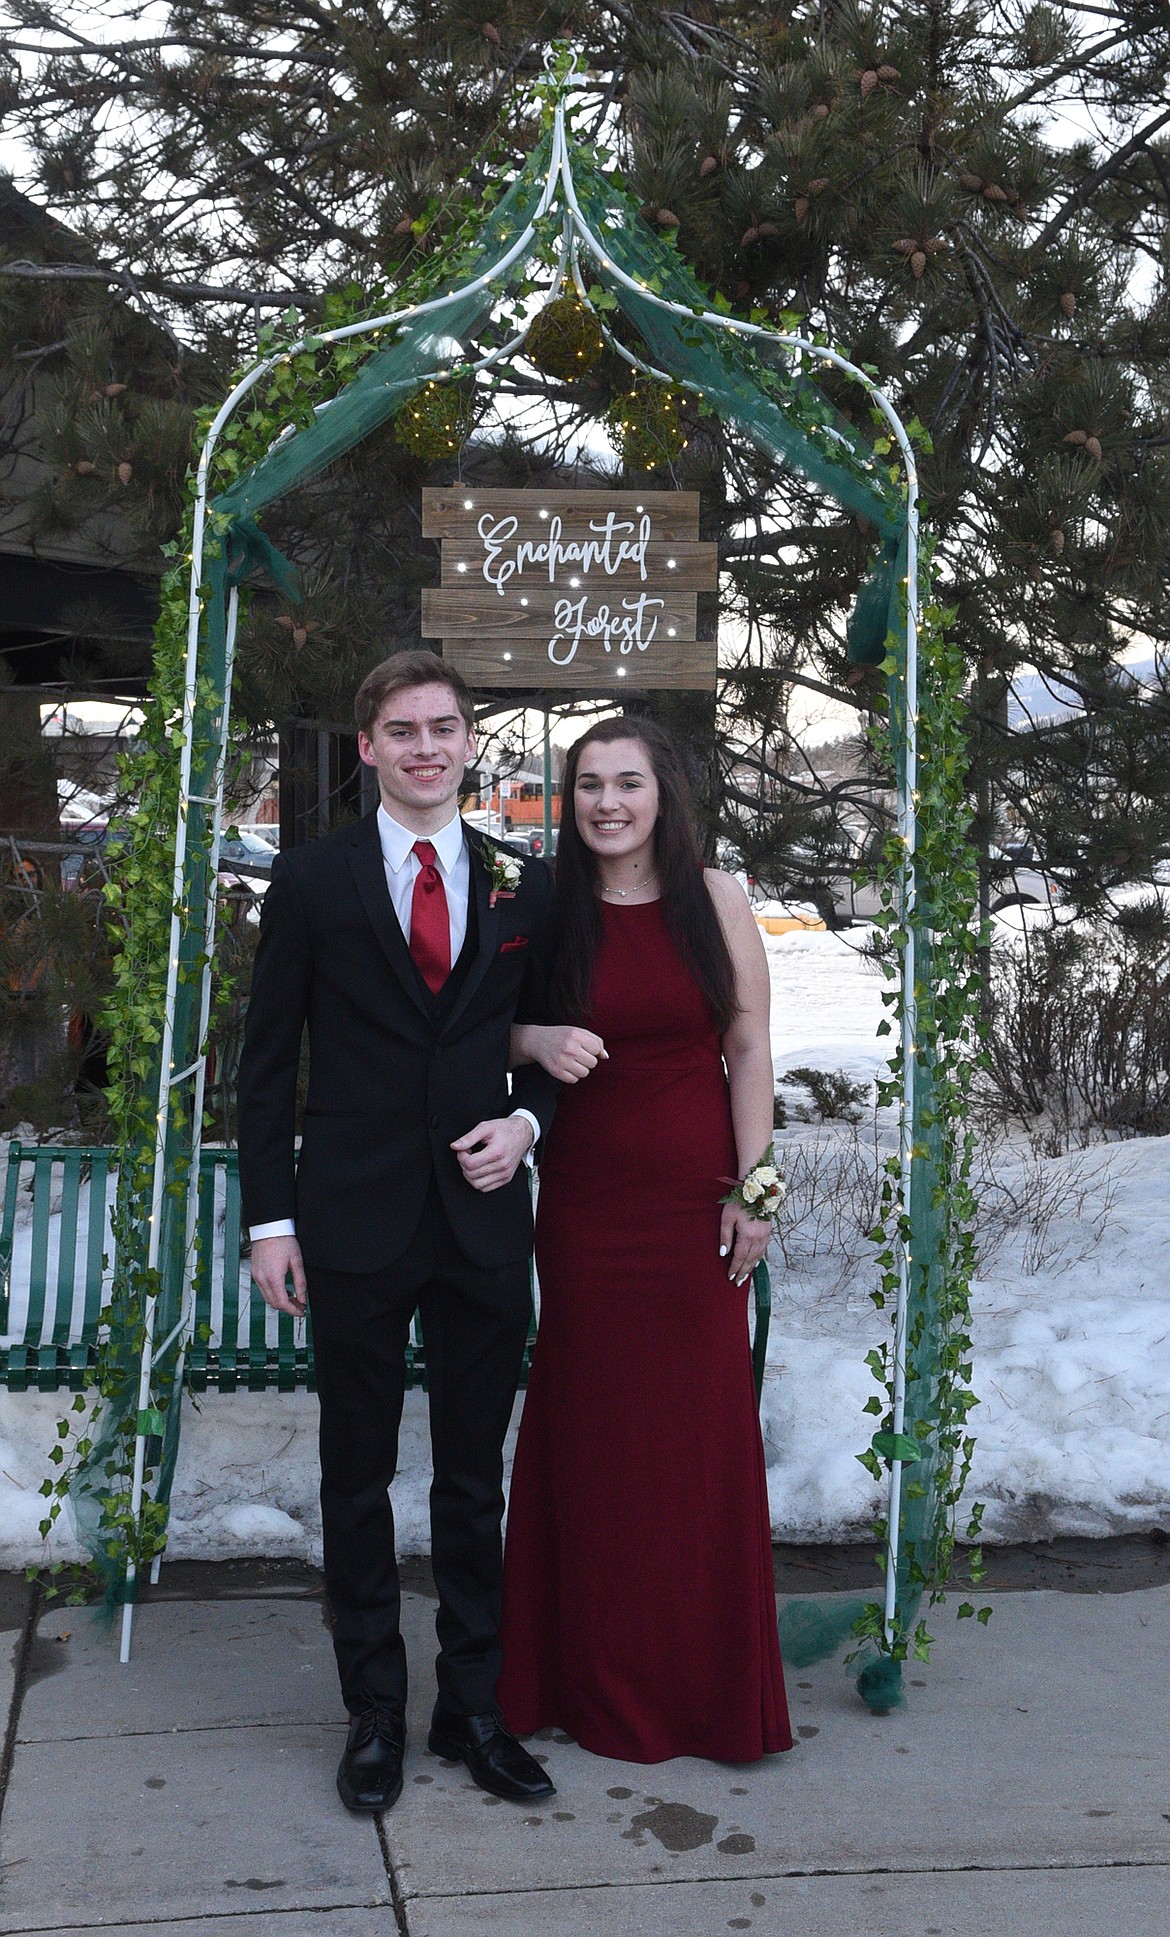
1072, 1336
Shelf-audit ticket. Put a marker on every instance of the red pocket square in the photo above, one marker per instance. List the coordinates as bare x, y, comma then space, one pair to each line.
517, 941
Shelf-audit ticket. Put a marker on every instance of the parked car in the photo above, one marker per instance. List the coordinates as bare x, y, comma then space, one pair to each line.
245, 853
530, 840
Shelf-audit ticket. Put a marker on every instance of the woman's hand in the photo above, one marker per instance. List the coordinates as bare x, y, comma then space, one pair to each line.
566, 1052
743, 1241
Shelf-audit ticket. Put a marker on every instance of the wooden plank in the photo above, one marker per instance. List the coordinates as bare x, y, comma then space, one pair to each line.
448, 610
456, 511
689, 665
687, 566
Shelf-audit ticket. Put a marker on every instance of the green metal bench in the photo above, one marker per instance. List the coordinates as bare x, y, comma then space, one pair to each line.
54, 1277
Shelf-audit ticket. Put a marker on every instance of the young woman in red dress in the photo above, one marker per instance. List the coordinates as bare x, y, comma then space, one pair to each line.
639, 1612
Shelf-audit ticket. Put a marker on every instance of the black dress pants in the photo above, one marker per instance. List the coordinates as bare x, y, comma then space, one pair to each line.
475, 1322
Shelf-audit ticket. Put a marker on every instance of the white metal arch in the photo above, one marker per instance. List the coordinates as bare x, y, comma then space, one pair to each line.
577, 234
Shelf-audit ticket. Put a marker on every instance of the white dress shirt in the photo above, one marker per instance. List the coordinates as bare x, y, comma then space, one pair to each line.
402, 867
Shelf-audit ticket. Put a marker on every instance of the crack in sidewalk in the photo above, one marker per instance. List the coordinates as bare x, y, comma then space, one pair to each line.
780, 1876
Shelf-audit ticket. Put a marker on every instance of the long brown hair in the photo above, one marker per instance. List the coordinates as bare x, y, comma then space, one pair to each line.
686, 904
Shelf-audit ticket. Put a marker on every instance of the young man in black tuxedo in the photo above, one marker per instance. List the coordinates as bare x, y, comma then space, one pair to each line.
398, 946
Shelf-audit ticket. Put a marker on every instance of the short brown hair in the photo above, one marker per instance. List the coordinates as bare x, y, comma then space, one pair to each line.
400, 671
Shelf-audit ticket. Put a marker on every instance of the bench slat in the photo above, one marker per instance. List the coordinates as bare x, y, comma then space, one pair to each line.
95, 1254
67, 1248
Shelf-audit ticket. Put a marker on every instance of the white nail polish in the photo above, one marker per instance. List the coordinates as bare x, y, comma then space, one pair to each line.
722, 1250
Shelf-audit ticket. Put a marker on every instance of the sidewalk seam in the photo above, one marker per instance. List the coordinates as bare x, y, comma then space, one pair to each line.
396, 1896
19, 1683
204, 1917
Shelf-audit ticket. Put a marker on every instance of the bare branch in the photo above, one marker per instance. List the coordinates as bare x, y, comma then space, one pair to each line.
1094, 179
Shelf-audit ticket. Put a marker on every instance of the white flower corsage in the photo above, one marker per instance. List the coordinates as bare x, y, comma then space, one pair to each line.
503, 873
762, 1191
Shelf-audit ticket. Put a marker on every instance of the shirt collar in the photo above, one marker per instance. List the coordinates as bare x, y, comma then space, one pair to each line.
397, 841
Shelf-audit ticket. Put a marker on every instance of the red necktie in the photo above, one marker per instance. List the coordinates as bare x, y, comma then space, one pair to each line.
430, 925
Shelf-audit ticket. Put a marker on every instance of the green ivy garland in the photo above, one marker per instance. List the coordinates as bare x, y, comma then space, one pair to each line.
947, 1029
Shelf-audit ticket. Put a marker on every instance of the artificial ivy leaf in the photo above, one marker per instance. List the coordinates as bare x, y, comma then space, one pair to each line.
897, 1446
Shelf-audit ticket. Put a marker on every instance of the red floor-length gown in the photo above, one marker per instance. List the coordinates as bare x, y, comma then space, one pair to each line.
639, 1612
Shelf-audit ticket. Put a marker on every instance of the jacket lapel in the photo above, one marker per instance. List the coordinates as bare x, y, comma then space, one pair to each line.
369, 871
489, 922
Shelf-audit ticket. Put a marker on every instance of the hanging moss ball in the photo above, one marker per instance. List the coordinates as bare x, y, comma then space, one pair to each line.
436, 421
647, 425
564, 339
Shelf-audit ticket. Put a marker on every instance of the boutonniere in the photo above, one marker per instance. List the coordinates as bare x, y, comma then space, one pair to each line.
503, 873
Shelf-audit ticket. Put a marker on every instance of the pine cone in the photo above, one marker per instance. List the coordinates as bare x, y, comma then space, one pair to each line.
708, 165
801, 207
1076, 437
125, 471
403, 226
995, 193
887, 73
918, 263
114, 389
821, 111
1093, 447
491, 32
749, 236
768, 228
1056, 541
299, 636
906, 245
869, 81
819, 186
972, 182
85, 467
667, 219
1068, 303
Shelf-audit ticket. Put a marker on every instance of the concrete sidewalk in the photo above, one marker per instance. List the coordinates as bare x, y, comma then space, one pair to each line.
1024, 1788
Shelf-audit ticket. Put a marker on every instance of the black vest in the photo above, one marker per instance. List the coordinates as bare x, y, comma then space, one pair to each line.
440, 1004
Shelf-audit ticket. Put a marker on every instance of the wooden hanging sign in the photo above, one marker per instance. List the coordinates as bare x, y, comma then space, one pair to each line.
595, 590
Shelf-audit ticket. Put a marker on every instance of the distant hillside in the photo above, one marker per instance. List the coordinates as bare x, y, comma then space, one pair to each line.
1037, 701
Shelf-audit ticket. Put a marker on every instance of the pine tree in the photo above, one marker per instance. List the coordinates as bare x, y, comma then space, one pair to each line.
904, 178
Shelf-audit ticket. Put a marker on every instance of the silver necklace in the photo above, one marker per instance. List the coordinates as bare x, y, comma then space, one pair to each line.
638, 888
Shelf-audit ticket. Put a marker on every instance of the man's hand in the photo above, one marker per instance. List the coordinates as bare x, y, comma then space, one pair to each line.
565, 1051
274, 1260
489, 1154
743, 1241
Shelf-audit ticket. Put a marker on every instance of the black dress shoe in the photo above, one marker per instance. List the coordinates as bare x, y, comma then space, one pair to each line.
369, 1775
495, 1759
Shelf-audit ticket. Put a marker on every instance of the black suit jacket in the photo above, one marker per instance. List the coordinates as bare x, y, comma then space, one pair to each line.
394, 1074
